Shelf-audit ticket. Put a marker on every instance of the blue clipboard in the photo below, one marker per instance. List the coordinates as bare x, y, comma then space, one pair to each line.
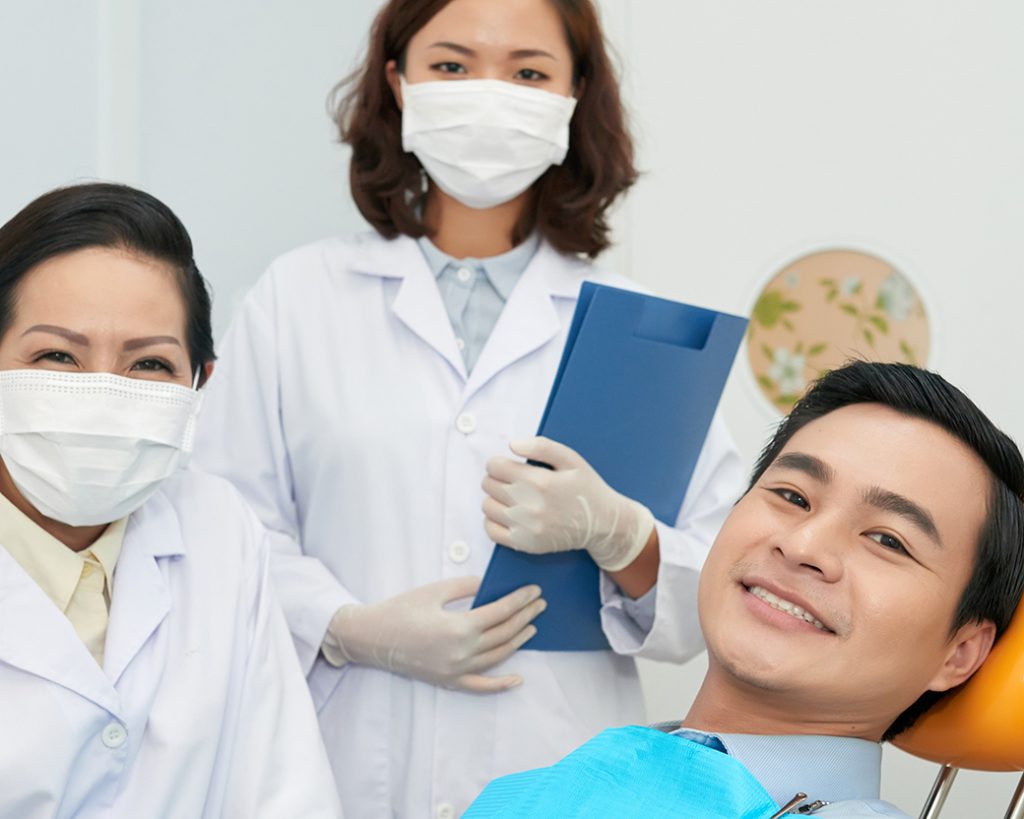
635, 393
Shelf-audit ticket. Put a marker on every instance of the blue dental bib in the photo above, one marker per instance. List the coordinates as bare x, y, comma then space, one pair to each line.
625, 772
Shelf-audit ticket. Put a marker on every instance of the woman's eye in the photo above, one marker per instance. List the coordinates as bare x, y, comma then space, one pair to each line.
152, 365
888, 541
530, 75
792, 497
57, 357
449, 68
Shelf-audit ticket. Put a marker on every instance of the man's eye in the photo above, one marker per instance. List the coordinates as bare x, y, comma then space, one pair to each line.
888, 541
792, 497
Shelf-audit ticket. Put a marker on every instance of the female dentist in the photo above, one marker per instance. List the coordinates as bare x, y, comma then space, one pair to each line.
368, 386
145, 667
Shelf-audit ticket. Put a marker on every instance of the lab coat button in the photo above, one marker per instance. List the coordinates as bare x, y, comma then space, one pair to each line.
464, 274
460, 344
445, 811
466, 423
459, 551
114, 735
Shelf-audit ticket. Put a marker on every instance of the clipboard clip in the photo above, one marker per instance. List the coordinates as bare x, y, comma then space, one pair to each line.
792, 803
803, 810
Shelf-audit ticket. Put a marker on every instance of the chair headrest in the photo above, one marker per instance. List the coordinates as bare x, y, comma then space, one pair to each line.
981, 725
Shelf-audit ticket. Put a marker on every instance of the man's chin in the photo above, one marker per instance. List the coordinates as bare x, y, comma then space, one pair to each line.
754, 667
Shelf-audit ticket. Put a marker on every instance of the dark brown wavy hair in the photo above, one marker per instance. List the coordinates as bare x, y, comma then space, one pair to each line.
570, 201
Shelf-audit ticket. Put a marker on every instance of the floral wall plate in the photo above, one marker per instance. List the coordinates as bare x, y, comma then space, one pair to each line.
826, 308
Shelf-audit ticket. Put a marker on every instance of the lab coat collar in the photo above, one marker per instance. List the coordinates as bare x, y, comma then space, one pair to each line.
142, 598
36, 637
418, 303
528, 321
564, 273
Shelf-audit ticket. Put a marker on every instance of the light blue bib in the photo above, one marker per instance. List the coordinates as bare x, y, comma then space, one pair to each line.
625, 772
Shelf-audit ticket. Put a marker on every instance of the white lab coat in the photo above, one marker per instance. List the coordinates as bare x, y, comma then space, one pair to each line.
200, 710
343, 412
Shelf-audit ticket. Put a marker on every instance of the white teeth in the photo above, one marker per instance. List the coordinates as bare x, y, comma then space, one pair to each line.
777, 602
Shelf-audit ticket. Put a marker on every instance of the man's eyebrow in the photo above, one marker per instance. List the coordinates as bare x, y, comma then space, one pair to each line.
63, 332
904, 507
149, 341
808, 464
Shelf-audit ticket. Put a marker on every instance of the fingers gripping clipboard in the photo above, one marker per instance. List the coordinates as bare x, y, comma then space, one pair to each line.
635, 393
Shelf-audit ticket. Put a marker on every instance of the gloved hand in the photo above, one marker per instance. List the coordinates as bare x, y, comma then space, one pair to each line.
538, 510
413, 634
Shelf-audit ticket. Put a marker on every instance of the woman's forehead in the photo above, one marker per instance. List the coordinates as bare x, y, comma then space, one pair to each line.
497, 24
99, 286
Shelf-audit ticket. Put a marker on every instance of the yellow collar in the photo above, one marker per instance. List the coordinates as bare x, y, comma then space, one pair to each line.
52, 565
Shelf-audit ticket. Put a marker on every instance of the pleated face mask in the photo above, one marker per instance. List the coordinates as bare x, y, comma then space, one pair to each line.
484, 142
90, 448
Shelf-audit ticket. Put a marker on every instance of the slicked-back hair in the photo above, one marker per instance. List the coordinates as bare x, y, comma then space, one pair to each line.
570, 201
997, 581
119, 217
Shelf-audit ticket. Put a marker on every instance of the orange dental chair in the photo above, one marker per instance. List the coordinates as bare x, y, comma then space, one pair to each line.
980, 727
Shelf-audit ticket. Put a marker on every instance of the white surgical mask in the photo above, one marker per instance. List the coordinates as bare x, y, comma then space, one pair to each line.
89, 448
484, 142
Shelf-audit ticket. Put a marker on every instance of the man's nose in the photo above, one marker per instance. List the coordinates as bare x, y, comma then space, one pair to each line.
815, 545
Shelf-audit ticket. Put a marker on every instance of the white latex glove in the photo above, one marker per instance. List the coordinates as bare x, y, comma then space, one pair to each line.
537, 510
413, 634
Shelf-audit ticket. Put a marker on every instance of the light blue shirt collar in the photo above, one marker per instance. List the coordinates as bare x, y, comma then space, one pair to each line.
502, 271
832, 769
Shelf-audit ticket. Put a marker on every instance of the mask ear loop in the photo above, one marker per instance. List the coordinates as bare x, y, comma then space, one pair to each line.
195, 378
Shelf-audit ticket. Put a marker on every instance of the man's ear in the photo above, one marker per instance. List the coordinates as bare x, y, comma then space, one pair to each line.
967, 651
393, 77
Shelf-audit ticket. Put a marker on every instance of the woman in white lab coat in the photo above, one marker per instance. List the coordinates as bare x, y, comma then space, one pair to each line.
145, 666
370, 388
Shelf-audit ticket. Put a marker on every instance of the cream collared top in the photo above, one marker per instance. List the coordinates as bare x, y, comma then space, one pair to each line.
79, 583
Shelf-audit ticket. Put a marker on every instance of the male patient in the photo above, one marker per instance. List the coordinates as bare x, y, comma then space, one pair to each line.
874, 560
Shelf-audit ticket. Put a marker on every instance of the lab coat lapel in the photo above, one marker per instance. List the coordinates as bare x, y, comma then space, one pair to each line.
418, 303
142, 597
529, 319
36, 637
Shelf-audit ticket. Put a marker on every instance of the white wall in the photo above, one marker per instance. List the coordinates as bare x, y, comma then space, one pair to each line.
49, 98
765, 129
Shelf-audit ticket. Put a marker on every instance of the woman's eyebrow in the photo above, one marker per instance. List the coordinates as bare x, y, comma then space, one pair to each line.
525, 53
516, 54
149, 341
459, 49
63, 332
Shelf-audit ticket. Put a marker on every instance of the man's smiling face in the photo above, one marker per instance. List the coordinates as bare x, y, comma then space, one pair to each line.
833, 585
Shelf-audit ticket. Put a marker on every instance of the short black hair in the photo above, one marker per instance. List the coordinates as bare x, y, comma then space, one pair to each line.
101, 214
997, 582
